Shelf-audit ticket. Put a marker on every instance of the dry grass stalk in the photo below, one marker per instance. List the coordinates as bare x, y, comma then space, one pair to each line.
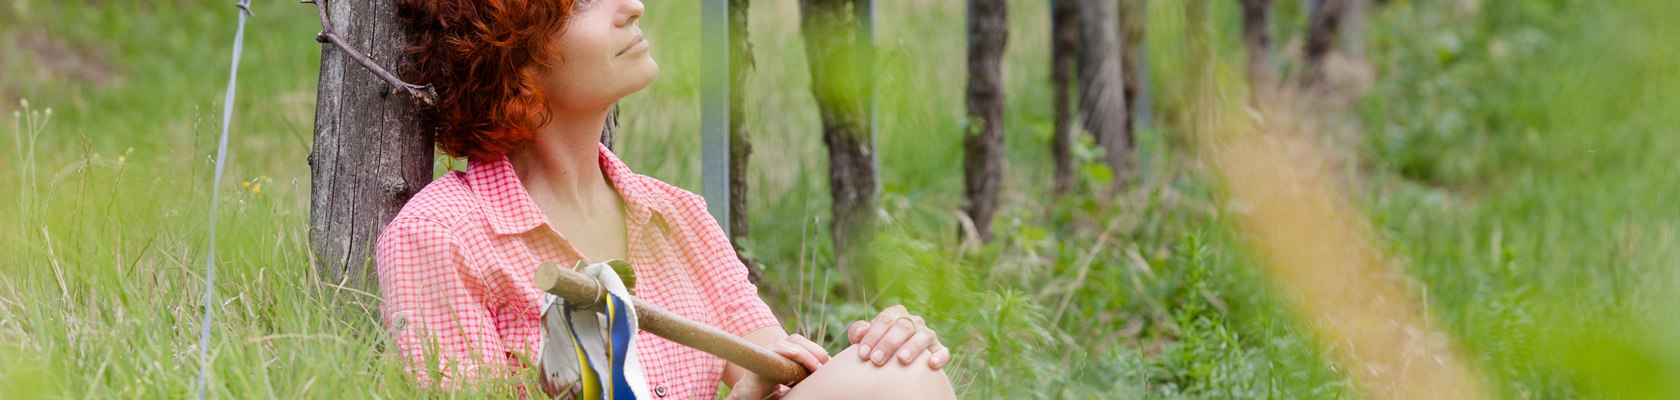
1320, 250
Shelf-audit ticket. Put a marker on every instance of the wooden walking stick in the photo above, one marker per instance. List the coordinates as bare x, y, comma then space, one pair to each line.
577, 288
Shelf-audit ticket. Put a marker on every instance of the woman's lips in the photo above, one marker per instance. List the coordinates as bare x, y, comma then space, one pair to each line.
638, 45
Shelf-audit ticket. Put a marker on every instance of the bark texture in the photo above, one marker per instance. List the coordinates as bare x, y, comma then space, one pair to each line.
1131, 59
369, 154
740, 148
1322, 28
988, 33
842, 69
1064, 42
1257, 38
1102, 99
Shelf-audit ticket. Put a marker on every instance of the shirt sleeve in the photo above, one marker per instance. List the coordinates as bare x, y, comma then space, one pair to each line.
722, 274
434, 304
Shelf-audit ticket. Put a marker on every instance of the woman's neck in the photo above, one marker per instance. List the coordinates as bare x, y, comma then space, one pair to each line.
561, 165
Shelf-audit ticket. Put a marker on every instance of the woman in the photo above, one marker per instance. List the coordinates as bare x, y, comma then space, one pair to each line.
524, 89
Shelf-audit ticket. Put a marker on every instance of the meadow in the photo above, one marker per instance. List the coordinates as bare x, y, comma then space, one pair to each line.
1516, 162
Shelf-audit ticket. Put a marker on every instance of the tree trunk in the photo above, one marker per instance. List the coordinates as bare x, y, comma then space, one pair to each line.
740, 149
1354, 18
370, 153
1064, 41
842, 70
983, 158
1102, 99
1131, 59
1257, 38
1322, 29
1203, 106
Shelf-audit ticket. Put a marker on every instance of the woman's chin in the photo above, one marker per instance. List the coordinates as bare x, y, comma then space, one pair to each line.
644, 75
650, 70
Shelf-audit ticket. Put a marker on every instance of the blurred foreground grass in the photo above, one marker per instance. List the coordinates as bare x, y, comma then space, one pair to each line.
1517, 162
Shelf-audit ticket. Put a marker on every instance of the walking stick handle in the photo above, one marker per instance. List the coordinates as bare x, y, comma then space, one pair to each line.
577, 288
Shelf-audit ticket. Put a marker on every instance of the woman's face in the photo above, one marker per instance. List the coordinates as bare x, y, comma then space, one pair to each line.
603, 56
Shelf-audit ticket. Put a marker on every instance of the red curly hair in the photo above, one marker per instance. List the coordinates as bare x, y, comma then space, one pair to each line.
475, 53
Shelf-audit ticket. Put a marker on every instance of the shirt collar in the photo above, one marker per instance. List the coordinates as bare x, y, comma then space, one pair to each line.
510, 209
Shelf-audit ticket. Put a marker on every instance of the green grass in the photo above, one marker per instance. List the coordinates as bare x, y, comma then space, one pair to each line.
1518, 164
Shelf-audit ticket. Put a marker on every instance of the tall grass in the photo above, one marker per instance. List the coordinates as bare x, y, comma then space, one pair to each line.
1517, 163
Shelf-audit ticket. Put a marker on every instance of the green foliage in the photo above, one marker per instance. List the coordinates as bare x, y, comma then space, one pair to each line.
1517, 166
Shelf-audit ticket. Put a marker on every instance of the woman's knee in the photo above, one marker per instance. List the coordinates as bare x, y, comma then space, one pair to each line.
847, 376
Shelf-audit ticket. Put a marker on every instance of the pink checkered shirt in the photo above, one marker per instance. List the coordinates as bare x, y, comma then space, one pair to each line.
455, 268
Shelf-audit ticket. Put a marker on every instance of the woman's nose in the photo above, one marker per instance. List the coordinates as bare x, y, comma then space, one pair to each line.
631, 12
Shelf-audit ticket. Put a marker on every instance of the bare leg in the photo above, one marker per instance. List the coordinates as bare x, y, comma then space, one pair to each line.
847, 377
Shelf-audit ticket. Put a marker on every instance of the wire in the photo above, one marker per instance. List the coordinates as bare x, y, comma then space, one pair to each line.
202, 384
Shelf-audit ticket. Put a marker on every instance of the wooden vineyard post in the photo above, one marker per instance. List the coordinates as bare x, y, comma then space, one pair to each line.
370, 154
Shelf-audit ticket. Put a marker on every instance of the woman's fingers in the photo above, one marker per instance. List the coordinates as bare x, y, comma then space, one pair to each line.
855, 333
941, 355
899, 332
894, 333
878, 328
754, 387
815, 349
798, 354
923, 340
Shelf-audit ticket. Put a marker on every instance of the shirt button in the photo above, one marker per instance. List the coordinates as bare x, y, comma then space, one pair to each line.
659, 390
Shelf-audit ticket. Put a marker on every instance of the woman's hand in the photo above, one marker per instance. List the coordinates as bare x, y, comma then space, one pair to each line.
794, 347
896, 334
